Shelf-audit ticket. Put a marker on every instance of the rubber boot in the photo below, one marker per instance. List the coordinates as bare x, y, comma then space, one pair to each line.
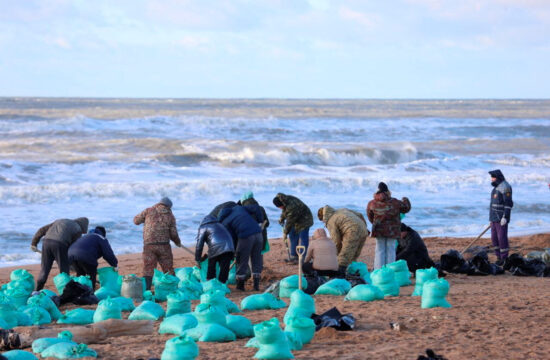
256, 283
240, 285
148, 282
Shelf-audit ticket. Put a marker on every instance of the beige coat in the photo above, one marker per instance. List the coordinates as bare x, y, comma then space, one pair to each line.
322, 251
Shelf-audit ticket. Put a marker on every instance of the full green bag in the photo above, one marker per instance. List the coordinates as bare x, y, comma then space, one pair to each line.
177, 324
147, 310
107, 309
240, 325
164, 284
294, 340
38, 315
301, 305
8, 315
4, 325
303, 327
265, 301
359, 268
422, 276
272, 341
43, 300
217, 298
335, 287
84, 280
192, 289
289, 284
212, 326
77, 317
215, 285
433, 294
109, 279
384, 279
125, 304
19, 355
364, 292
103, 293
18, 296
402, 273
66, 350
180, 348
23, 319
39, 345
177, 303
60, 281
23, 276
187, 273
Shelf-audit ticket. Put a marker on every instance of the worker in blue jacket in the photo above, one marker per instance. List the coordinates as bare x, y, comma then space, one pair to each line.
499, 213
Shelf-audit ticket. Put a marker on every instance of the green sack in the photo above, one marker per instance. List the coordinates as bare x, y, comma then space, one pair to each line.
289, 284
303, 327
217, 298
422, 276
148, 296
107, 309
84, 280
110, 279
38, 315
364, 292
147, 310
19, 355
65, 350
434, 292
77, 317
39, 345
301, 305
8, 315
177, 324
43, 300
164, 284
180, 348
212, 325
178, 303
294, 340
215, 285
23, 319
60, 281
104, 292
265, 301
402, 273
335, 287
125, 304
359, 269
48, 292
384, 279
18, 296
187, 273
272, 341
241, 326
192, 289
4, 325
23, 276
6, 300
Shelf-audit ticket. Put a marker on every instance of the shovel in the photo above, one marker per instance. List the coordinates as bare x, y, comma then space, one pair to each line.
300, 250
476, 239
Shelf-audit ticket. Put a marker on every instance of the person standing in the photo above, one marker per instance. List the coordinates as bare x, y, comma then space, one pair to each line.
85, 251
220, 247
159, 229
57, 237
296, 219
499, 214
384, 214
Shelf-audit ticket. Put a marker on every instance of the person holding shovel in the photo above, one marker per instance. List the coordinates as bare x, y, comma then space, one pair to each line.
499, 214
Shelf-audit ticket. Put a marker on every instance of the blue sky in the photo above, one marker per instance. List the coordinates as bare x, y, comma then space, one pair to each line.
278, 48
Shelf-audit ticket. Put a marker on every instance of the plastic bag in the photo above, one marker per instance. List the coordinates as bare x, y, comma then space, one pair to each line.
164, 285
18, 296
365, 292
177, 324
272, 341
42, 344
43, 300
24, 277
19, 355
359, 269
125, 304
187, 274
294, 341
217, 298
212, 326
289, 284
78, 294
401, 272
313, 283
66, 350
77, 317
38, 315
192, 289
334, 319
384, 279
60, 281
84, 280
240, 325
301, 304
434, 292
23, 319
7, 315
109, 279
103, 293
180, 348
335, 287
303, 327
147, 310
133, 287
422, 276
107, 309
178, 303
215, 285
265, 301
519, 266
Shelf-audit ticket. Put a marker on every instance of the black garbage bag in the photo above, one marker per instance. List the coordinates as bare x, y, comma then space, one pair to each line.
313, 283
480, 266
78, 294
431, 355
334, 319
452, 261
519, 266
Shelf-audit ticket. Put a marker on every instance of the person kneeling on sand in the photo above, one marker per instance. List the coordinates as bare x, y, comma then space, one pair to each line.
412, 249
220, 247
348, 230
321, 256
159, 229
85, 251
58, 236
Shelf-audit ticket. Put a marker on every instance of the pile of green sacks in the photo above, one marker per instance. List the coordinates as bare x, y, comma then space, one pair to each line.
20, 287
62, 279
110, 283
423, 276
62, 347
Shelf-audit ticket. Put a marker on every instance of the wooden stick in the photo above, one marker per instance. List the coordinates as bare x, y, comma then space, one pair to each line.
476, 239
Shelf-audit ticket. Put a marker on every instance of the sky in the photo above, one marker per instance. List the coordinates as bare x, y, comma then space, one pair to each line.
275, 48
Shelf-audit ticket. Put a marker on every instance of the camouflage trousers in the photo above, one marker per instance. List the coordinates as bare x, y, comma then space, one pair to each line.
157, 254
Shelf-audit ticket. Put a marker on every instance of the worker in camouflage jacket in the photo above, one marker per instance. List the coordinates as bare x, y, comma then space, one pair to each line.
296, 219
499, 213
348, 230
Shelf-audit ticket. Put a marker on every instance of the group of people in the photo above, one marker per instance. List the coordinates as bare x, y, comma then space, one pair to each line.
236, 235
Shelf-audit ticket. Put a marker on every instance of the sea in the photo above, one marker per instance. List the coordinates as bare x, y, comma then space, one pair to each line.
108, 159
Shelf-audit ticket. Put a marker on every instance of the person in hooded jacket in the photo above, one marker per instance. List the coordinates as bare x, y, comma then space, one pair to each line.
220, 247
321, 256
412, 249
384, 214
499, 214
248, 199
57, 237
85, 251
348, 230
247, 234
217, 210
159, 229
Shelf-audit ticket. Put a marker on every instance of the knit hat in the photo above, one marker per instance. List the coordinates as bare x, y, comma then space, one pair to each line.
166, 201
382, 187
247, 195
277, 202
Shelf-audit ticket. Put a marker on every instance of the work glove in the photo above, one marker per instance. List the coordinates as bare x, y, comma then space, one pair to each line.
503, 221
34, 248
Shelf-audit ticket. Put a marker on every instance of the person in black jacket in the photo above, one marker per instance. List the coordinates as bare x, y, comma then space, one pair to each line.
412, 249
84, 252
218, 209
248, 199
248, 234
220, 247
499, 214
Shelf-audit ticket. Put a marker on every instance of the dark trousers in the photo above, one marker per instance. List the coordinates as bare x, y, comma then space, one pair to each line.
308, 269
499, 237
224, 260
301, 238
83, 269
52, 250
249, 248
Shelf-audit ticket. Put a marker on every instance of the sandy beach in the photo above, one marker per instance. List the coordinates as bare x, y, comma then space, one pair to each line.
498, 317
